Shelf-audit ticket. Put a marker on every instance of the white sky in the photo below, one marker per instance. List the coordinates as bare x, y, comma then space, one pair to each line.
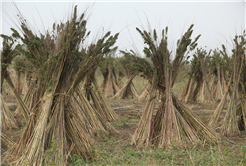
218, 22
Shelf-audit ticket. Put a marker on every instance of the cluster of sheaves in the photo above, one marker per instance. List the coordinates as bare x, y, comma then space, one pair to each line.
64, 108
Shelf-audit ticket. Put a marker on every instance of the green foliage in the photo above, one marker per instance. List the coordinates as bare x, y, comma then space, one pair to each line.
160, 55
4, 64
9, 50
138, 64
77, 160
121, 152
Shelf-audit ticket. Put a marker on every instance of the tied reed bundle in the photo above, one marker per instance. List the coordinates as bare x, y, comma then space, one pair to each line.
60, 118
173, 123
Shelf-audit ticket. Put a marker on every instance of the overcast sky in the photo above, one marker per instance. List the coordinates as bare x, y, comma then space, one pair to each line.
218, 22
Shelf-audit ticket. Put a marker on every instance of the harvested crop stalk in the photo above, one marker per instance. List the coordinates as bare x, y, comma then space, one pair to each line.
7, 119
128, 90
216, 114
230, 122
145, 93
109, 84
109, 112
58, 121
6, 140
173, 122
8, 53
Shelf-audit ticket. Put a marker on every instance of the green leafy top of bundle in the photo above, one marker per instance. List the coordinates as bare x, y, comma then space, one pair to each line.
108, 58
216, 58
9, 50
158, 52
200, 55
139, 64
61, 48
126, 65
239, 54
21, 64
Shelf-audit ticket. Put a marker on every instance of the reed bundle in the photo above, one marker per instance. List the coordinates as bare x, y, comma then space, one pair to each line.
7, 55
173, 123
58, 116
128, 90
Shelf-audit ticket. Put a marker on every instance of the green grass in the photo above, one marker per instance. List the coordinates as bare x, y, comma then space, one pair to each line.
122, 122
113, 150
124, 154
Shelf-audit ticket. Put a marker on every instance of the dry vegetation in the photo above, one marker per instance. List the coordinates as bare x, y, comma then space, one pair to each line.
85, 106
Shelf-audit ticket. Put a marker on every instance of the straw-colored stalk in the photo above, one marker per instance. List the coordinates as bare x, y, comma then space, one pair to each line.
7, 119
186, 88
18, 89
230, 123
28, 100
128, 90
219, 83
177, 125
198, 88
35, 149
25, 111
190, 91
207, 96
96, 121
144, 95
216, 114
109, 112
144, 130
98, 100
111, 87
212, 83
223, 81
204, 95
25, 84
242, 115
230, 126
6, 140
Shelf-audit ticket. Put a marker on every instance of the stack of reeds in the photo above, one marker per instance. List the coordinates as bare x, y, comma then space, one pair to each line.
173, 124
8, 53
5, 140
146, 70
220, 82
128, 90
109, 85
145, 94
21, 65
226, 64
235, 118
61, 119
99, 102
197, 87
236, 110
